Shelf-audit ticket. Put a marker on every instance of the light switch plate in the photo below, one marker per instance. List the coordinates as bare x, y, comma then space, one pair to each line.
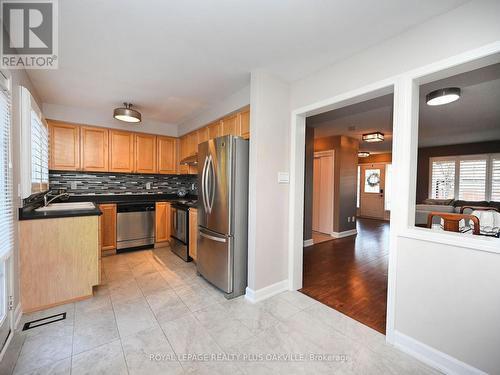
283, 178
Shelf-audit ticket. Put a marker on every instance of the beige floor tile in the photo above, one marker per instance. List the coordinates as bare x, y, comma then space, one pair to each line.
133, 316
167, 306
105, 359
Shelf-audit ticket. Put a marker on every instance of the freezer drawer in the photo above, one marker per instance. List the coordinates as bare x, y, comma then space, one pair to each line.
215, 259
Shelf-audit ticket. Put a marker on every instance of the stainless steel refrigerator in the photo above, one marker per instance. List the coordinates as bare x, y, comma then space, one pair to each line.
223, 213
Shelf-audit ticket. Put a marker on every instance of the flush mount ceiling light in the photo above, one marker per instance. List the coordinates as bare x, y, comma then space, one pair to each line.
373, 137
127, 114
443, 96
363, 154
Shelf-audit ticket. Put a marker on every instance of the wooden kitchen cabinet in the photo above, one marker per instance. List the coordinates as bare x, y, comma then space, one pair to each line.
121, 151
64, 146
94, 146
162, 222
214, 130
167, 155
145, 153
58, 260
193, 233
230, 125
244, 123
203, 135
108, 228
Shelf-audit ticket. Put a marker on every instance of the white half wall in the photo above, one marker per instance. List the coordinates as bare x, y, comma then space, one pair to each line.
232, 103
449, 298
105, 119
268, 200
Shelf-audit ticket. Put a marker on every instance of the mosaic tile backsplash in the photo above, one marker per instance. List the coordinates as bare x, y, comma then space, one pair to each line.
90, 183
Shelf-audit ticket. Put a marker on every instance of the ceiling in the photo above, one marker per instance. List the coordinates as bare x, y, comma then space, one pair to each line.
173, 59
475, 117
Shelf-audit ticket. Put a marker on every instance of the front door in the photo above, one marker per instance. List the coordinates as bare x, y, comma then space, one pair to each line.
372, 185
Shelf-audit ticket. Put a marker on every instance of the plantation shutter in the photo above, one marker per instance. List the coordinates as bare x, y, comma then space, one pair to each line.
39, 154
6, 202
443, 179
495, 179
472, 184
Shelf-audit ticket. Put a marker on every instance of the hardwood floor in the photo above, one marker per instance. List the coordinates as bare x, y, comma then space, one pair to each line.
350, 274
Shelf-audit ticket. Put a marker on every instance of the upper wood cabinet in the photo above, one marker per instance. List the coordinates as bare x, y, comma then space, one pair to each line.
203, 135
121, 151
108, 227
230, 125
162, 222
167, 155
244, 123
64, 146
145, 153
94, 146
214, 130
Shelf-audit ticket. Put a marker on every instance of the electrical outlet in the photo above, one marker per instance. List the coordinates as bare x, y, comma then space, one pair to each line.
73, 185
348, 219
148, 185
354, 219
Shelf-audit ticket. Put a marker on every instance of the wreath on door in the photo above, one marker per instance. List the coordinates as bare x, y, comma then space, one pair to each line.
373, 179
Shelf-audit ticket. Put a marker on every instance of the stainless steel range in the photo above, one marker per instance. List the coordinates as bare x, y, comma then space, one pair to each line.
179, 236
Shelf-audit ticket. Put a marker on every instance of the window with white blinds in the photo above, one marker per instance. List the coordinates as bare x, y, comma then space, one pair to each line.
6, 201
39, 154
495, 179
465, 177
442, 179
472, 182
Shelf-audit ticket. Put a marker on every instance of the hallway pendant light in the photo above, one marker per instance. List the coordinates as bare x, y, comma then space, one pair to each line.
373, 137
127, 114
363, 154
443, 96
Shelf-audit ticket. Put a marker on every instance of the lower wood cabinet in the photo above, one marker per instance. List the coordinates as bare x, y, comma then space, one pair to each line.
108, 228
58, 260
193, 233
162, 222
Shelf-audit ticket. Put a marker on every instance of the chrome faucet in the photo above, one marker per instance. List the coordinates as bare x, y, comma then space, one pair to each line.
47, 201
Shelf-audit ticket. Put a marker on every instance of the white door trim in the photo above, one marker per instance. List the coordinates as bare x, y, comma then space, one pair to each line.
405, 128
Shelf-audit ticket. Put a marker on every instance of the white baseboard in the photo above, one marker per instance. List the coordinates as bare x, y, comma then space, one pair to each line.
308, 242
343, 234
264, 293
433, 357
18, 313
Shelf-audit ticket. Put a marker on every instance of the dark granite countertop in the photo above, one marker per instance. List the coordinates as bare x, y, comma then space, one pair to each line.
30, 213
120, 198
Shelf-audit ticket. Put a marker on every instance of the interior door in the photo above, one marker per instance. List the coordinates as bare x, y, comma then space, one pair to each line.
372, 186
323, 175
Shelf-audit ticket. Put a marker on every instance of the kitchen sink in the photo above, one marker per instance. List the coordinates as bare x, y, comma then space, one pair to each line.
67, 206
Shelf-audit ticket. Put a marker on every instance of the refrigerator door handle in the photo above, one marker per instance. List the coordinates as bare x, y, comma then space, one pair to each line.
211, 187
206, 190
213, 238
203, 184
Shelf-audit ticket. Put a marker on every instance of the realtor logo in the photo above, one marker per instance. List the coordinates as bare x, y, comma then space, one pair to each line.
29, 34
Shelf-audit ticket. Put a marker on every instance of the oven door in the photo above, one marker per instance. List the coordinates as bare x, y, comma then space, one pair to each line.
179, 224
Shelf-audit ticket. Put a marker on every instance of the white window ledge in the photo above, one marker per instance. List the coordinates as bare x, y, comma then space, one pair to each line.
480, 243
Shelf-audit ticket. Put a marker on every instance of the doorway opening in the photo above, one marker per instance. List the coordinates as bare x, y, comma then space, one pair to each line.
347, 202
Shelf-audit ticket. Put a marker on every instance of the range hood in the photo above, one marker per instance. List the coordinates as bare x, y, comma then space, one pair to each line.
190, 160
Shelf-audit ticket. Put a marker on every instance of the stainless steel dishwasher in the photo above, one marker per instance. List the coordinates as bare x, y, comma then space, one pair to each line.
135, 225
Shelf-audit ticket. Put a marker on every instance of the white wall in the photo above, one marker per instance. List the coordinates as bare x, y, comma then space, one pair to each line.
450, 286
268, 200
449, 298
474, 24
230, 104
105, 119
